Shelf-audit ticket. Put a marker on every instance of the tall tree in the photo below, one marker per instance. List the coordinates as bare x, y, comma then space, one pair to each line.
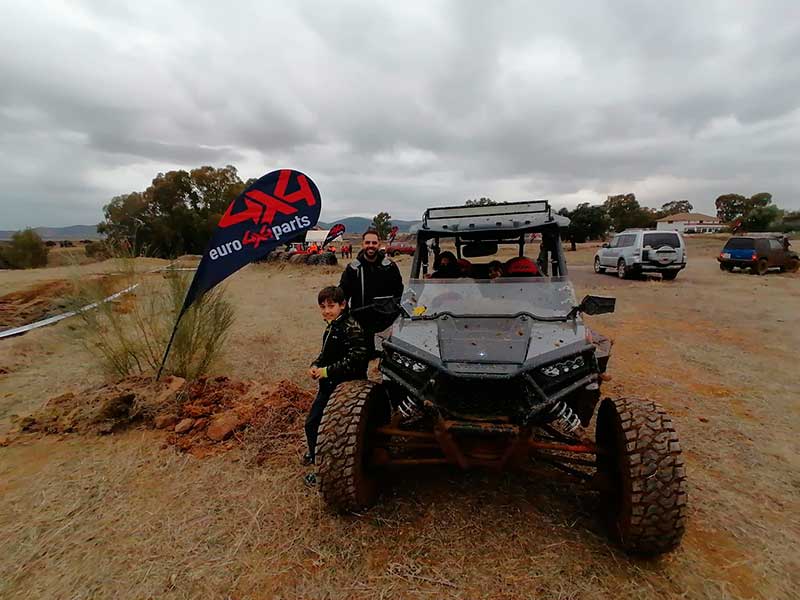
382, 223
763, 218
730, 206
176, 214
588, 222
624, 212
675, 207
733, 206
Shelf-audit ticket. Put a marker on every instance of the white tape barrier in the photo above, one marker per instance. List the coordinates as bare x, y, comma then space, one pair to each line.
49, 321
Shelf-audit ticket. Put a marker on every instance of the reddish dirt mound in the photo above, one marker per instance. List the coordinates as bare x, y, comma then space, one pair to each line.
32, 304
219, 413
105, 408
205, 417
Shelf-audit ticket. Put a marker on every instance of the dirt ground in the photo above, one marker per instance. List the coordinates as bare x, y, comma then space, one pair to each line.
123, 516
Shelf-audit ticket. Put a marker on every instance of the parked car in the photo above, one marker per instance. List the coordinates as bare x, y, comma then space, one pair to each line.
636, 251
400, 248
759, 253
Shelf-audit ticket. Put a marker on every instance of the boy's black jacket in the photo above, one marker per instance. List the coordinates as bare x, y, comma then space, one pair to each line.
344, 349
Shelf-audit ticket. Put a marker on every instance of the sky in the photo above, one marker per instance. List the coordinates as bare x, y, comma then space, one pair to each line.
398, 106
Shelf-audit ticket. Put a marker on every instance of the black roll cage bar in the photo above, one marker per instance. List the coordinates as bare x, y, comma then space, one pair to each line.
551, 257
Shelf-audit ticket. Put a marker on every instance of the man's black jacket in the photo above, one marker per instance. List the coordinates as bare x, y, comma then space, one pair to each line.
363, 281
344, 350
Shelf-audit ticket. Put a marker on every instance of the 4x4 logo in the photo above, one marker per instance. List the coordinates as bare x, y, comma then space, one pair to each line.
262, 207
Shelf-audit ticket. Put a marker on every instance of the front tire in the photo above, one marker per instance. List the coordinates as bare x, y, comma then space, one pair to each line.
597, 267
640, 459
355, 409
669, 275
792, 265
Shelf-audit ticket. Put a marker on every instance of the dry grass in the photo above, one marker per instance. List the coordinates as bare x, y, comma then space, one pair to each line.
129, 335
120, 517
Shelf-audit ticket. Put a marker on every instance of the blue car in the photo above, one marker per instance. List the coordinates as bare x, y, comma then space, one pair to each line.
759, 253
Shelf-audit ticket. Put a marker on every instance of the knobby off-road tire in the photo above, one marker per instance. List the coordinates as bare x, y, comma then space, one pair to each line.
353, 412
792, 265
761, 267
646, 504
597, 267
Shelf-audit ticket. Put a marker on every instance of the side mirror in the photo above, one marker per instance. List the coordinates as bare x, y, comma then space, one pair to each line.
597, 305
605, 245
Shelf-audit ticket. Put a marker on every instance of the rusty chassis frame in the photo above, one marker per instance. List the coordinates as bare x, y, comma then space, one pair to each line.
496, 446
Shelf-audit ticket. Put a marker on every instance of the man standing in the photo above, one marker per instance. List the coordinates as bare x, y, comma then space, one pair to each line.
369, 277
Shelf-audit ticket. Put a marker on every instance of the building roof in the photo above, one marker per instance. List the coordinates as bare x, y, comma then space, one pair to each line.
688, 217
316, 235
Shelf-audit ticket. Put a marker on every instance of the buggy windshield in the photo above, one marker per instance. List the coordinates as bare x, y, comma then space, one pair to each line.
505, 296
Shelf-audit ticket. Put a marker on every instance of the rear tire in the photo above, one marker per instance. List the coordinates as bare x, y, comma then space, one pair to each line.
762, 267
724, 267
597, 267
622, 269
354, 410
646, 499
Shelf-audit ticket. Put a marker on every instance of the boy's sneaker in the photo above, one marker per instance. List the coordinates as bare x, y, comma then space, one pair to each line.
307, 459
310, 480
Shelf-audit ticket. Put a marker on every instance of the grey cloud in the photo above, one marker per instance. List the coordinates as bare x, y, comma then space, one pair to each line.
395, 106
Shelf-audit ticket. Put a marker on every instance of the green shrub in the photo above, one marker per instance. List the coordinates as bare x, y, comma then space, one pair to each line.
128, 336
26, 250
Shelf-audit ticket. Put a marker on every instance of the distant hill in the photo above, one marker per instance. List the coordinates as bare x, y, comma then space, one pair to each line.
73, 232
89, 232
361, 224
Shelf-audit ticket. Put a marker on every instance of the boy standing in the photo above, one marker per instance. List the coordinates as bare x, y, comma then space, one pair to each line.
343, 358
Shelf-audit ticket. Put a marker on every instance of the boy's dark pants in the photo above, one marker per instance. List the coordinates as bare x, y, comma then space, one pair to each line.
314, 417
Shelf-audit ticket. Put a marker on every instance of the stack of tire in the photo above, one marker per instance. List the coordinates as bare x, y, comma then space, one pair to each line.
325, 258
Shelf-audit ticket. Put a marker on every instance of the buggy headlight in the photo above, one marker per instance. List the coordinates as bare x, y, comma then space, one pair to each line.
564, 367
408, 363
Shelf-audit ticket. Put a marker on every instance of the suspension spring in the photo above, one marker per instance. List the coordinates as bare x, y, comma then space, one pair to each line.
408, 408
564, 416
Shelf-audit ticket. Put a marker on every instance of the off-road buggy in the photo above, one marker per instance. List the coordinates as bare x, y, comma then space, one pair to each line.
503, 373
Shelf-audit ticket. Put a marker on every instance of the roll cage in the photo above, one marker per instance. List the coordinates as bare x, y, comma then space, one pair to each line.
501, 224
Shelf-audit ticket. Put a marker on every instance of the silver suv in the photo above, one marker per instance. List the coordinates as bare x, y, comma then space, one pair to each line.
636, 251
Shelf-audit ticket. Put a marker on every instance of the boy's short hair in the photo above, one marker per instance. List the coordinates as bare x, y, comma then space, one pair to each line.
496, 264
332, 293
370, 231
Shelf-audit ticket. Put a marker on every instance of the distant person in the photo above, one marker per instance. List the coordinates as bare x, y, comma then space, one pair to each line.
448, 267
370, 276
495, 269
343, 358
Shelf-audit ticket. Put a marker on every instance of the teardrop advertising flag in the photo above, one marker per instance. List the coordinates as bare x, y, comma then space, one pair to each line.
393, 233
334, 232
274, 209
